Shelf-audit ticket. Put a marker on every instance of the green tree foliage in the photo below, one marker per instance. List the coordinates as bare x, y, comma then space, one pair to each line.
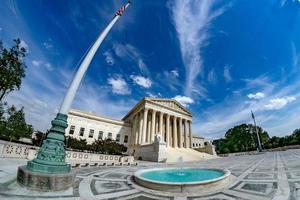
14, 125
107, 146
12, 68
38, 139
241, 138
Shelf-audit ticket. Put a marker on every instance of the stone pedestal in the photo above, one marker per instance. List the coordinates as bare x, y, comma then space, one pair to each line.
44, 182
155, 152
49, 170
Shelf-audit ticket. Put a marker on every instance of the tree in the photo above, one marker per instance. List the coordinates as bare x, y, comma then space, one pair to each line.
16, 126
12, 68
38, 139
241, 138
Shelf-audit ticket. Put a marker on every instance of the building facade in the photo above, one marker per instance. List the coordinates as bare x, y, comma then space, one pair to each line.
166, 118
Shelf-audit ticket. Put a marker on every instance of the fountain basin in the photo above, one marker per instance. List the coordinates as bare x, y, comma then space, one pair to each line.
182, 180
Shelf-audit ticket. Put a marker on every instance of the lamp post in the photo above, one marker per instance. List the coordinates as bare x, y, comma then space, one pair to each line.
49, 170
257, 135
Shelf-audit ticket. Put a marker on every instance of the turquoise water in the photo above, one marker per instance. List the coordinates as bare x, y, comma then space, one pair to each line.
182, 175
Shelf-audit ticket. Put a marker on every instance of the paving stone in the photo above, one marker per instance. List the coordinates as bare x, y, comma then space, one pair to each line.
268, 176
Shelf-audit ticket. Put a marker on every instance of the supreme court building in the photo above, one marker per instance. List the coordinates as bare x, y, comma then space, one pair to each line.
166, 118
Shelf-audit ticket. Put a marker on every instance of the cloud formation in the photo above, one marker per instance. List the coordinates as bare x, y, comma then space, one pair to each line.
227, 74
192, 20
184, 100
258, 95
278, 103
109, 58
119, 86
141, 81
128, 51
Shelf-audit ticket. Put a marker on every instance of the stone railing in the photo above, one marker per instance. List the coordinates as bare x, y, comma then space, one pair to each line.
14, 150
76, 159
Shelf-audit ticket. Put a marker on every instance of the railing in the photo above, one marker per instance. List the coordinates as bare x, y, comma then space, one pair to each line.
76, 159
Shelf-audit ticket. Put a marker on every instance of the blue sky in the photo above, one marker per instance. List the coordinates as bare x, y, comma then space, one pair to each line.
219, 58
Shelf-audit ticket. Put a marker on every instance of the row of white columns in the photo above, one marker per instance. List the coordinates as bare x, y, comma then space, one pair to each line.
175, 131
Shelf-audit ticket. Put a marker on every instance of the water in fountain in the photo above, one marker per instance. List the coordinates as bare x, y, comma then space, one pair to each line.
180, 161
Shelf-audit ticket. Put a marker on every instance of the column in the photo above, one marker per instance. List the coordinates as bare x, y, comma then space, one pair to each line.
144, 125
153, 124
148, 130
161, 126
133, 135
174, 132
140, 128
185, 134
190, 130
167, 130
180, 132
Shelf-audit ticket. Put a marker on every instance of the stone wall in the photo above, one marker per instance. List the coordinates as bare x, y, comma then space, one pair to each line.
15, 150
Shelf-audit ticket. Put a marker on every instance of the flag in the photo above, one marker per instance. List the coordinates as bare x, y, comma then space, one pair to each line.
122, 9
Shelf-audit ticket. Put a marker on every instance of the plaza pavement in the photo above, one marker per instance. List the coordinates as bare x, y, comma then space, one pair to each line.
273, 175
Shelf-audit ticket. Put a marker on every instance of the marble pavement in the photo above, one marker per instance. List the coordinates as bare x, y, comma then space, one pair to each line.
268, 176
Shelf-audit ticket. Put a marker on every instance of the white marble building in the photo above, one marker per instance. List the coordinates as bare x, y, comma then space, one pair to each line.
151, 116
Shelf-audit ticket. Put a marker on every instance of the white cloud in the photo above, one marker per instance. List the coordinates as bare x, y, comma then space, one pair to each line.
141, 81
227, 74
109, 58
48, 44
192, 19
49, 66
36, 63
184, 100
258, 95
175, 73
149, 94
278, 103
211, 76
24, 45
119, 86
127, 51
39, 63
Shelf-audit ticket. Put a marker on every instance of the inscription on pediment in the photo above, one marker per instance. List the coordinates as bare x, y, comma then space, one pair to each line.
170, 104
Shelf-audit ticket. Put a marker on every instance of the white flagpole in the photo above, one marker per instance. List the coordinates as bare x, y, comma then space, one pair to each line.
65, 106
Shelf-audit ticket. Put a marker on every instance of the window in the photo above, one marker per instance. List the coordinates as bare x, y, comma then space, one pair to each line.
109, 136
126, 139
100, 136
81, 132
72, 130
118, 137
91, 134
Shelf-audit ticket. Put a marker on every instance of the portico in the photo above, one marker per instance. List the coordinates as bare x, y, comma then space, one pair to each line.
165, 117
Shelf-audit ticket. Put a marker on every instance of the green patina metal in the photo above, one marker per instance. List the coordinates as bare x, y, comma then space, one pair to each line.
51, 156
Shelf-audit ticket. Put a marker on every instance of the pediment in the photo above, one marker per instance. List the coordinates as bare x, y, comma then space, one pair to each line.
170, 103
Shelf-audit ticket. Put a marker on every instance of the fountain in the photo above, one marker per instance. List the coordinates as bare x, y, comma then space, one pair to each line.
182, 179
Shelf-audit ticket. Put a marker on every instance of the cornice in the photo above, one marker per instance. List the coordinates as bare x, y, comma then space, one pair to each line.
87, 115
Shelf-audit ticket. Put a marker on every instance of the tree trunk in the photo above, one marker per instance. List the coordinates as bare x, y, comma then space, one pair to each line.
2, 95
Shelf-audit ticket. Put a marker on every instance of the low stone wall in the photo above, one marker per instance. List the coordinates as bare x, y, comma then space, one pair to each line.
14, 150
76, 159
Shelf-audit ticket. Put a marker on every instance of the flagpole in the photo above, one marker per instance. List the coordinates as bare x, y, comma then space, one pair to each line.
67, 102
49, 171
257, 135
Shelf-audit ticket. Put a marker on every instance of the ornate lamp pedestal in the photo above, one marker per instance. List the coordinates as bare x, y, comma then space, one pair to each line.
49, 170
